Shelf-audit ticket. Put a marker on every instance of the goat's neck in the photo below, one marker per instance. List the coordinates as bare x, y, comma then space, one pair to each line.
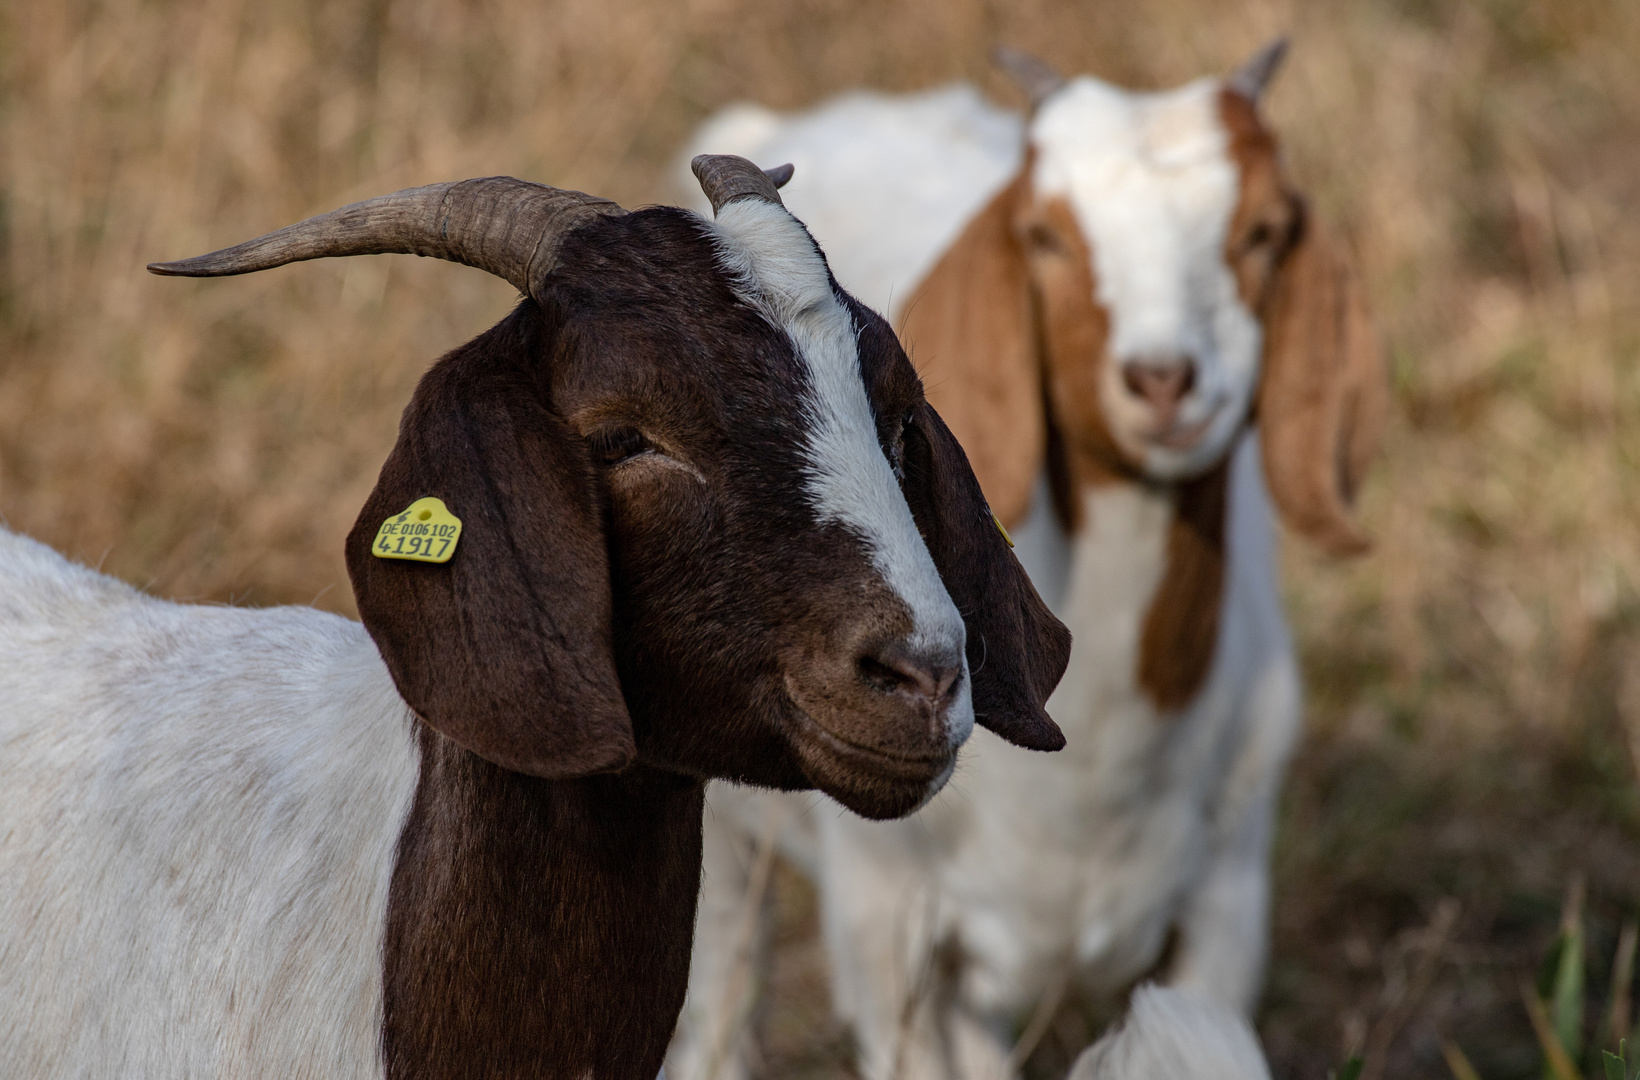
1141, 585
539, 928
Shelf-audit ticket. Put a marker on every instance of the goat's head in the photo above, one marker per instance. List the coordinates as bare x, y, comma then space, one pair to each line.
1170, 284
709, 521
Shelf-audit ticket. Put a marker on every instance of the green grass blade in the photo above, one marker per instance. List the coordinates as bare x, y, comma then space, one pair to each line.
1458, 1062
1557, 1064
1614, 1066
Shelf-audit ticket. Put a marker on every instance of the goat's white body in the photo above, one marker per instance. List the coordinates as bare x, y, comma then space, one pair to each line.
199, 811
1037, 868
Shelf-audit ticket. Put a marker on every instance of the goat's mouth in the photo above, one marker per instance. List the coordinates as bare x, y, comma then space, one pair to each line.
874, 782
1183, 437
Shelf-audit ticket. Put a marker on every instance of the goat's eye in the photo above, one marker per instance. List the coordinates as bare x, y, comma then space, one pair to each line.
1260, 235
615, 445
1042, 239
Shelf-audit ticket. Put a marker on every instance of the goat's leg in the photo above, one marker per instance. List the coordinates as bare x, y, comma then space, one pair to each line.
1224, 928
881, 918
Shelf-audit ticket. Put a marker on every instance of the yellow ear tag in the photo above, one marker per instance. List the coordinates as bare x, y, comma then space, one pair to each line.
998, 523
426, 532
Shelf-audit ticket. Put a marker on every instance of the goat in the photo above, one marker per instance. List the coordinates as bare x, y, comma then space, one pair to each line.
708, 527
1141, 333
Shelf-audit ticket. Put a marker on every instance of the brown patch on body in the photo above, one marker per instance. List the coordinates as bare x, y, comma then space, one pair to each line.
1181, 629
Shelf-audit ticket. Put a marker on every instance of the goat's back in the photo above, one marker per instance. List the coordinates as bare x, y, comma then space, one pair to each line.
884, 182
198, 813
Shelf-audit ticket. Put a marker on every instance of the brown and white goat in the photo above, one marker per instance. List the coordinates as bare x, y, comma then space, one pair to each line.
709, 528
1141, 333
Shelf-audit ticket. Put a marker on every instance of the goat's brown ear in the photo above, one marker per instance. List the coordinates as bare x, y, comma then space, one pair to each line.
507, 648
1017, 650
970, 329
1324, 395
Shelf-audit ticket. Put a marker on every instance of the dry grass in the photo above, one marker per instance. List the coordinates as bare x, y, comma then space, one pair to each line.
213, 440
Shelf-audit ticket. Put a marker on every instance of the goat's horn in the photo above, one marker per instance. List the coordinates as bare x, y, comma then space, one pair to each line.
725, 178
1255, 74
511, 228
1036, 77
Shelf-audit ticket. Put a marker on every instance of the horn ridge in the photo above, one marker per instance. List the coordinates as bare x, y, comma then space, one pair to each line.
508, 227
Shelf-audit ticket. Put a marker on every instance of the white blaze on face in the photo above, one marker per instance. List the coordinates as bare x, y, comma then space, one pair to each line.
1152, 186
848, 480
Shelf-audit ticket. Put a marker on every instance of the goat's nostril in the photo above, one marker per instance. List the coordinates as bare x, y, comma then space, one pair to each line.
1162, 385
895, 670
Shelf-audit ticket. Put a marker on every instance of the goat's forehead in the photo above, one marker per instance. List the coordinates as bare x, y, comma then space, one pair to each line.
1091, 126
1151, 163
1148, 177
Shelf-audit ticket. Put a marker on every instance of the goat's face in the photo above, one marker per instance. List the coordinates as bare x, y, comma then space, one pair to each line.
709, 522
1151, 250
778, 617
1152, 276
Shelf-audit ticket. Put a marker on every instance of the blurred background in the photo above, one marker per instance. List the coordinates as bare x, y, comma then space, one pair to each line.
1474, 717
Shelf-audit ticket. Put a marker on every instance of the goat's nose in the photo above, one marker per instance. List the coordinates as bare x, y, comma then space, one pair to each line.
1162, 383
896, 669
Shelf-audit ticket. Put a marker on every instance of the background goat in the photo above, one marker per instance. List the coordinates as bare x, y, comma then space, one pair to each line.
1103, 299
695, 480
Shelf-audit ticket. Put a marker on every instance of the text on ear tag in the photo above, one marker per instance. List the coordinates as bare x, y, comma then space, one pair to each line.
998, 523
425, 532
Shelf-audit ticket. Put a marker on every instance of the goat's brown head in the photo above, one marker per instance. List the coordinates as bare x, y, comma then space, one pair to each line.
709, 520
1155, 277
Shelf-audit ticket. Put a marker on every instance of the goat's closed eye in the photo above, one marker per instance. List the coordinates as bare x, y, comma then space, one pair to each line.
611, 446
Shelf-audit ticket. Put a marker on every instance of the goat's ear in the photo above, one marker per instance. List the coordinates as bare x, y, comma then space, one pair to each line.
507, 648
1017, 650
1324, 395
970, 329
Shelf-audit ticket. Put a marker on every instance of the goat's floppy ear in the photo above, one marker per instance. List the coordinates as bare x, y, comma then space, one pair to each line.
970, 328
1324, 395
1017, 650
507, 649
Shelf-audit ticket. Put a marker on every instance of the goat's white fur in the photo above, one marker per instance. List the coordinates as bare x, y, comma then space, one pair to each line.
1075, 865
1172, 1034
849, 480
199, 809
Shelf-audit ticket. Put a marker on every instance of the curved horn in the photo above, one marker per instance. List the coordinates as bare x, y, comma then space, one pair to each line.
725, 178
511, 228
1034, 76
1255, 73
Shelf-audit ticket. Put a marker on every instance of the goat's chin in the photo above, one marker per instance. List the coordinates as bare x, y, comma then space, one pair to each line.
870, 782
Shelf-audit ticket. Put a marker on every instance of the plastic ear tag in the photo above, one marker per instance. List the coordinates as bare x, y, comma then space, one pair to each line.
425, 532
998, 523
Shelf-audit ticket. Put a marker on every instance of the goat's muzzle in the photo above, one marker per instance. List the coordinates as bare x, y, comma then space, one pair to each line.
880, 722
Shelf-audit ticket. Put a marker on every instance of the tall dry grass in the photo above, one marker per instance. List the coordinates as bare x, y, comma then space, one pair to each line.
213, 440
